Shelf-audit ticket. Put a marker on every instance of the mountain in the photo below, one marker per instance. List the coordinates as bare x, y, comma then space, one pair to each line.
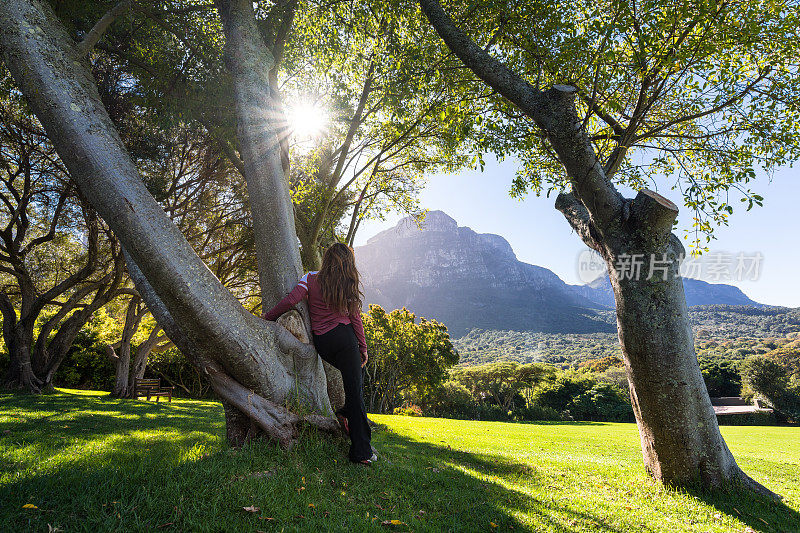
466, 279
698, 292
471, 280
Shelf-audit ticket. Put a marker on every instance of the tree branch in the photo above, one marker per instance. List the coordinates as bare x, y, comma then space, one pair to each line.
552, 110
85, 46
578, 217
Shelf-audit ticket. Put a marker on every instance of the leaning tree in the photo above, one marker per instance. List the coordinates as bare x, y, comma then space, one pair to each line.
700, 82
257, 368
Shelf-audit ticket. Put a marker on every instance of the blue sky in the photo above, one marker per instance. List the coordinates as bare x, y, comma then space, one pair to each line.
540, 235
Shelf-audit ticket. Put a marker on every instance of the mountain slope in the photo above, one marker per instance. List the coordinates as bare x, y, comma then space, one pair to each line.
465, 279
698, 292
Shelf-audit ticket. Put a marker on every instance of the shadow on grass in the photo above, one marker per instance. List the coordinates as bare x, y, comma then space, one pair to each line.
94, 415
760, 512
134, 466
478, 481
98, 473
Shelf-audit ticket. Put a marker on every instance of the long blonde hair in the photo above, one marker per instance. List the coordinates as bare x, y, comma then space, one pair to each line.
338, 279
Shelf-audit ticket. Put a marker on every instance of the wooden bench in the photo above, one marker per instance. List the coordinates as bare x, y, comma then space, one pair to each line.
151, 387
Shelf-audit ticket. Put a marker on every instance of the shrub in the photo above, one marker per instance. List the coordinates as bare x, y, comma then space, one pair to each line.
535, 412
408, 410
765, 377
450, 400
86, 365
721, 376
584, 398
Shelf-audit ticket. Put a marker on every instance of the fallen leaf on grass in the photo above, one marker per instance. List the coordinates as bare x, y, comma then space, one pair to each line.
492, 524
392, 523
311, 505
29, 506
251, 509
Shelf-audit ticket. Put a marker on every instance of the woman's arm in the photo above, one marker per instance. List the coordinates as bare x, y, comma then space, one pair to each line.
290, 300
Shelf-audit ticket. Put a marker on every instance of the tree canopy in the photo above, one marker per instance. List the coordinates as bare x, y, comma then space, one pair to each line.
696, 96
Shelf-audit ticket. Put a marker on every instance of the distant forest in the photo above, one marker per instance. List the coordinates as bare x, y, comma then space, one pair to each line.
723, 331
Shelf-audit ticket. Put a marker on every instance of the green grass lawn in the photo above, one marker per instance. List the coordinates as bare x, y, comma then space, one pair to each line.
91, 463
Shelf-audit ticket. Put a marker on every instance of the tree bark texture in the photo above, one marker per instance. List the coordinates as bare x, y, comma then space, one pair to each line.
262, 130
246, 412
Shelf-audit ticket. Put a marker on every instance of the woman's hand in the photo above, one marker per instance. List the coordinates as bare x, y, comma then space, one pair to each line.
364, 358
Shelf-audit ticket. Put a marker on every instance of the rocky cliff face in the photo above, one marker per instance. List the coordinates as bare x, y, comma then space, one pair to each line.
466, 279
470, 280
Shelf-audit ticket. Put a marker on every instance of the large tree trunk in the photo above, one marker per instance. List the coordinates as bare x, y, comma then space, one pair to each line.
121, 357
252, 364
18, 336
681, 441
262, 131
246, 413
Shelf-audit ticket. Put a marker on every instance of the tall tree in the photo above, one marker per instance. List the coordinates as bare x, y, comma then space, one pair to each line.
406, 357
256, 367
57, 265
681, 442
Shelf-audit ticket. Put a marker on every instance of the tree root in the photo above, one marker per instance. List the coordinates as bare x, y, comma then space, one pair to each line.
25, 380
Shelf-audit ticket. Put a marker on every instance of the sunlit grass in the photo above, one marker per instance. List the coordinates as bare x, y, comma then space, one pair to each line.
92, 463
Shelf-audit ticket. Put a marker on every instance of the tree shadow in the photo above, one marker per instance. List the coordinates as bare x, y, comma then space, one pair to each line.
149, 466
760, 512
481, 476
179, 475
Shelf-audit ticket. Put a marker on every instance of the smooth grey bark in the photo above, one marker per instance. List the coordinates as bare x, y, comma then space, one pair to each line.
261, 126
250, 362
245, 411
262, 131
681, 441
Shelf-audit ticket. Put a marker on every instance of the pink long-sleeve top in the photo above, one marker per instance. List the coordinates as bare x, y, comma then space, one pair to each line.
323, 319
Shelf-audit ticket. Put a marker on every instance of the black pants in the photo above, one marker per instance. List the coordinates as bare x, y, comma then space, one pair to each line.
339, 347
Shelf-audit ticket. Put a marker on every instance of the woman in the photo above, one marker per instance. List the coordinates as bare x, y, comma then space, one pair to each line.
334, 303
